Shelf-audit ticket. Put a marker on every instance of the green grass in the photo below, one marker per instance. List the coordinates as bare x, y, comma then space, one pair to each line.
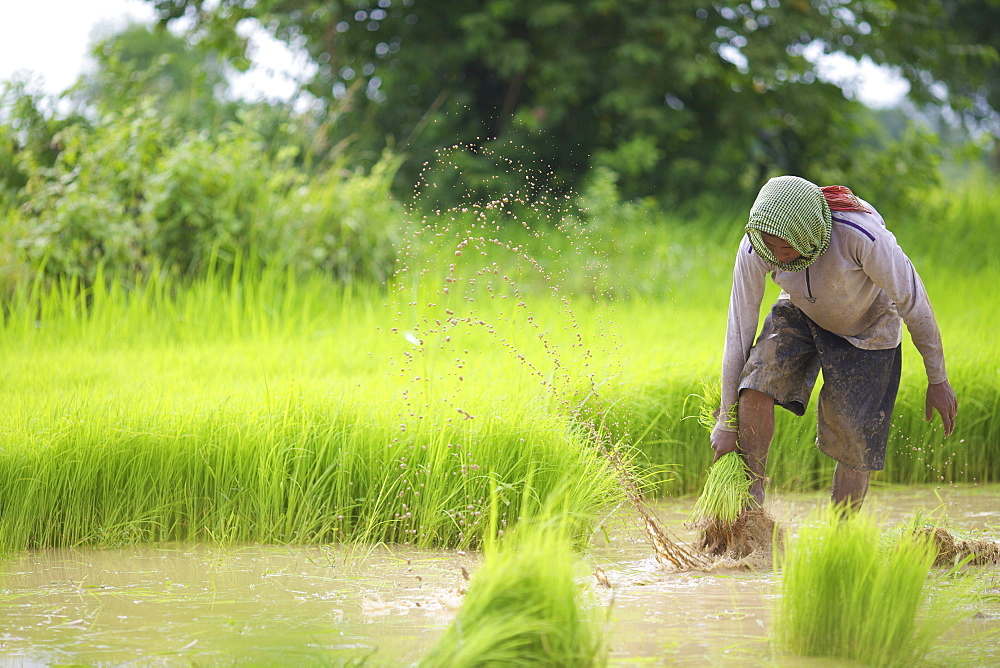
848, 590
270, 410
276, 406
295, 470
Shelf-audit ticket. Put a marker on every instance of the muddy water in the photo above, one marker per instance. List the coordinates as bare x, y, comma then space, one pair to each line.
182, 605
724, 617
257, 605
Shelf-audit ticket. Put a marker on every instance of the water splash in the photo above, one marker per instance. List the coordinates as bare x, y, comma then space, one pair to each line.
505, 274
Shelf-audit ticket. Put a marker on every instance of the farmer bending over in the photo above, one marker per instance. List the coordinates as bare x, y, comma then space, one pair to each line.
846, 288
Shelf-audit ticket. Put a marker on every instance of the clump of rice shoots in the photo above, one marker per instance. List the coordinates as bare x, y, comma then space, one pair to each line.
522, 608
731, 521
850, 591
726, 493
953, 549
727, 489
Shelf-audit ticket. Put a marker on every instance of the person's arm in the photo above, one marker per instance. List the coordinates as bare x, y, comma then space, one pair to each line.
749, 278
890, 269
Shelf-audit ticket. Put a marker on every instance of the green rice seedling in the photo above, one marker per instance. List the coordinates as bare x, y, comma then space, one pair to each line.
523, 608
264, 404
214, 342
261, 409
708, 406
292, 470
850, 590
731, 521
726, 493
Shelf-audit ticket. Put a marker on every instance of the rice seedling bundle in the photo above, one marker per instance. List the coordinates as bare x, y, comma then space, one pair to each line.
726, 493
732, 523
850, 591
523, 608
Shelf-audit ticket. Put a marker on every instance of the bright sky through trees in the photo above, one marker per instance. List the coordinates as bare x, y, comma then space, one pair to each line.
50, 38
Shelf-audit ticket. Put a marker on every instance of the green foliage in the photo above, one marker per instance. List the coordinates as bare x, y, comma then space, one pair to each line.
676, 97
183, 79
135, 190
345, 223
899, 174
951, 42
83, 211
848, 592
522, 609
207, 197
27, 137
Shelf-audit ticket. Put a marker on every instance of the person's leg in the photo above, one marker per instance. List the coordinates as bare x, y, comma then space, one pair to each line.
854, 414
756, 429
849, 487
781, 370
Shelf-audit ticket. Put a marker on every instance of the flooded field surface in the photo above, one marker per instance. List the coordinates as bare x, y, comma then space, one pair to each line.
181, 605
723, 617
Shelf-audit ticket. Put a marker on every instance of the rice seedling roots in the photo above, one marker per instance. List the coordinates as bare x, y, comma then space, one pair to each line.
951, 550
668, 551
748, 540
745, 543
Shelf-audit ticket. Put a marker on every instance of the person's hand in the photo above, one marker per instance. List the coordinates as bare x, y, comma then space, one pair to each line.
940, 396
723, 442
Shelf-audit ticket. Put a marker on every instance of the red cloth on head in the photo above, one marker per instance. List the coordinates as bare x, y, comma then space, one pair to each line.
840, 198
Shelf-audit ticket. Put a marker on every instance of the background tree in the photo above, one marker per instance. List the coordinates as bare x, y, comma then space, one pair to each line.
187, 82
674, 98
28, 136
948, 51
160, 170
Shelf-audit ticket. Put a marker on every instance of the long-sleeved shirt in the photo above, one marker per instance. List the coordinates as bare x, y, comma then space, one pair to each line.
862, 288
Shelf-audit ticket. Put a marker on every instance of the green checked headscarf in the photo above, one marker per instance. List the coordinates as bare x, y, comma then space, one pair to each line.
795, 210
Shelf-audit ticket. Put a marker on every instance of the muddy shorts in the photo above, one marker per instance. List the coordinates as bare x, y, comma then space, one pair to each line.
859, 386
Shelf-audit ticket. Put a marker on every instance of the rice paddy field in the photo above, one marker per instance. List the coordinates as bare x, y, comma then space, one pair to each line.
517, 369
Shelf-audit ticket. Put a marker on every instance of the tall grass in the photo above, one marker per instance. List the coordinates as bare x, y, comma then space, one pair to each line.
848, 590
295, 469
259, 410
278, 406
